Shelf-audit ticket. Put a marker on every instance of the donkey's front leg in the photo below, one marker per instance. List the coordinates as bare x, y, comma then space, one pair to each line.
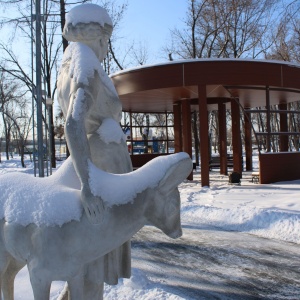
76, 287
9, 277
93, 291
40, 283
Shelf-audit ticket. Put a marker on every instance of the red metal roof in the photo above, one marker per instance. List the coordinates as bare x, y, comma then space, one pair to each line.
156, 88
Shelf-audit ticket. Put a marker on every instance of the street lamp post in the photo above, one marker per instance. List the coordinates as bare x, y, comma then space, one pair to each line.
49, 103
39, 87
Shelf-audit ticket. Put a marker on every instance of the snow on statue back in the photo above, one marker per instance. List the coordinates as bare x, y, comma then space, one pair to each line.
83, 64
49, 201
61, 252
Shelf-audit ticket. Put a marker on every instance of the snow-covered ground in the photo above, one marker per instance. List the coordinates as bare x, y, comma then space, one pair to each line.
271, 211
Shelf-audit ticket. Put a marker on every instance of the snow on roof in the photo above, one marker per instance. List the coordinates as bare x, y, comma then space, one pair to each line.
86, 13
195, 60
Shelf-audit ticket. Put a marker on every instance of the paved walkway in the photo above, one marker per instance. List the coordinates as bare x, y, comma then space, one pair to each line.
207, 263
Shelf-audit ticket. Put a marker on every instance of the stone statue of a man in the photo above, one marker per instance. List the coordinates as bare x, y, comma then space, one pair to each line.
92, 110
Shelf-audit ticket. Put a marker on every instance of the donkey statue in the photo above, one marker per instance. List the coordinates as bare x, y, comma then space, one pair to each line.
60, 249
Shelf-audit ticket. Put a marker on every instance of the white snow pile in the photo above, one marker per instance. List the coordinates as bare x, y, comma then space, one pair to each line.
271, 211
137, 287
49, 201
87, 13
110, 131
125, 187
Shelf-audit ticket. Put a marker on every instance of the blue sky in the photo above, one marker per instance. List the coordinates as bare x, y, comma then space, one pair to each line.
146, 21
149, 21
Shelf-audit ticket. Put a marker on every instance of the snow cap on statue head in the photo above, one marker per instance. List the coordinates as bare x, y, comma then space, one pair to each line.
87, 22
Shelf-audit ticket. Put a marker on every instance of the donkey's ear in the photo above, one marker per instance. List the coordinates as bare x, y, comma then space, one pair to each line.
178, 172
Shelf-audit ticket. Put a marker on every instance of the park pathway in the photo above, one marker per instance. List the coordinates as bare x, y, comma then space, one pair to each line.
209, 263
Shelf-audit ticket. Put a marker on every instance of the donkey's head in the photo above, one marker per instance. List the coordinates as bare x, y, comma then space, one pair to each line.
164, 210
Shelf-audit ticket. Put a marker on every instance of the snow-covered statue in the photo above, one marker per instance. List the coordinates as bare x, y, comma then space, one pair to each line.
90, 102
43, 225
93, 110
76, 225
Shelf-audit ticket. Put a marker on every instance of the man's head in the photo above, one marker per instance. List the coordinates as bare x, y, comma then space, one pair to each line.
87, 22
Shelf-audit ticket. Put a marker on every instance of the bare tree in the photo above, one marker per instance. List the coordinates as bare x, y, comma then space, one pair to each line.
286, 35
13, 109
51, 45
223, 28
139, 54
189, 42
245, 24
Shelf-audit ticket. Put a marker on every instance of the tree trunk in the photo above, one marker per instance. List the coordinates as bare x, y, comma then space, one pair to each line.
65, 45
50, 110
22, 155
63, 21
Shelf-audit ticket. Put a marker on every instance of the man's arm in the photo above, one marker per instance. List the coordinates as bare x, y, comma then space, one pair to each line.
80, 151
